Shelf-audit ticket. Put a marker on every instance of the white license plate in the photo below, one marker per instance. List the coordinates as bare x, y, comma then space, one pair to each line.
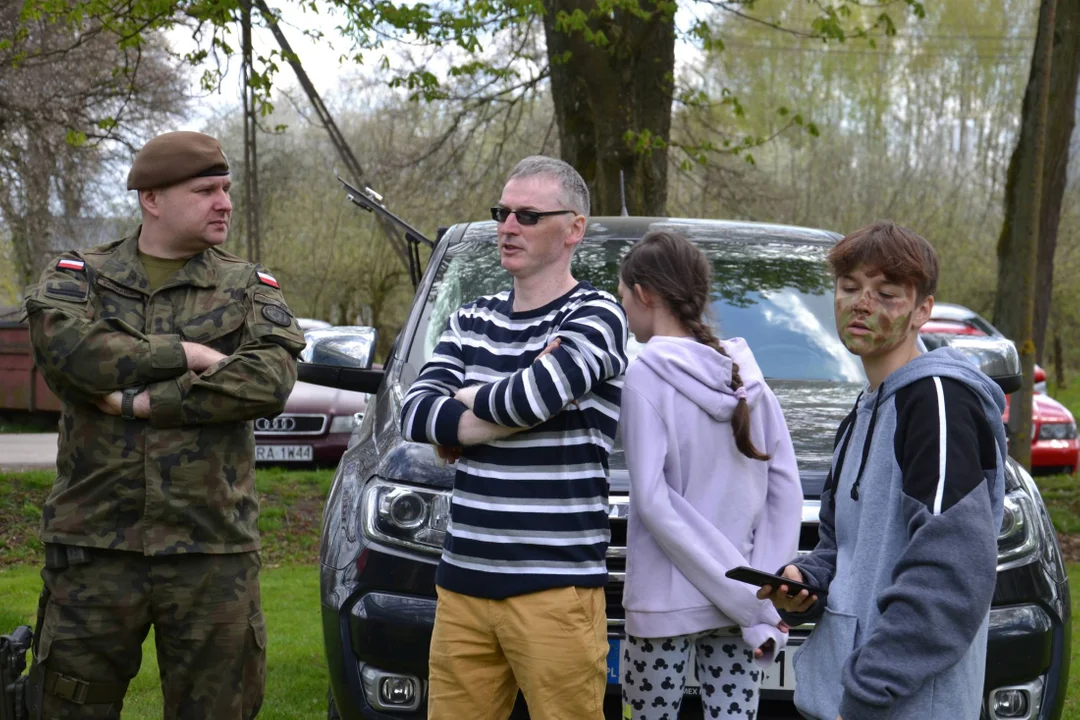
283, 453
778, 676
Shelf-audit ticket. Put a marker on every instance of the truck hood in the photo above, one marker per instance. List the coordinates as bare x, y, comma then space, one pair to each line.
813, 411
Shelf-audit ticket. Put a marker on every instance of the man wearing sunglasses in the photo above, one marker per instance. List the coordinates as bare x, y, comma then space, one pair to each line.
523, 389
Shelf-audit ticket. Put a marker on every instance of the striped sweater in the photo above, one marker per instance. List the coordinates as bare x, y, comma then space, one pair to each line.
529, 512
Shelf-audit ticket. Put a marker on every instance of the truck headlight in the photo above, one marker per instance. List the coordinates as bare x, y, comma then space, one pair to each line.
1057, 431
1018, 538
405, 515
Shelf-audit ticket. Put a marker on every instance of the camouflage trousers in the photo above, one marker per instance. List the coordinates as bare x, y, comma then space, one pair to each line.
208, 627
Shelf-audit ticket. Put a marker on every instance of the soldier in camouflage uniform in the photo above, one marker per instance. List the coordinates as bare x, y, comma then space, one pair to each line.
164, 349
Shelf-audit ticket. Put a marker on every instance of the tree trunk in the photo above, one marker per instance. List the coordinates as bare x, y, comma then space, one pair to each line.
29, 215
1014, 307
1060, 119
1059, 362
607, 96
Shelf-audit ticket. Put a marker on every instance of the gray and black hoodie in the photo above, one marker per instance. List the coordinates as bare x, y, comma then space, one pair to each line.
907, 549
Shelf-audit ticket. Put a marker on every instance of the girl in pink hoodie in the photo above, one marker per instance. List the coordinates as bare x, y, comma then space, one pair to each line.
713, 485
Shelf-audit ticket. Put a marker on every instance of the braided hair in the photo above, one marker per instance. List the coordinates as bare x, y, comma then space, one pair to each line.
674, 269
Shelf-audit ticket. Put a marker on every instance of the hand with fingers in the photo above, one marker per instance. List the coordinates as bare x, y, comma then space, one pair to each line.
110, 404
770, 645
792, 603
552, 346
467, 395
449, 453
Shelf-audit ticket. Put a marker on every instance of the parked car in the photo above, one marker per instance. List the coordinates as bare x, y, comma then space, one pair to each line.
313, 429
953, 319
389, 504
1055, 447
317, 421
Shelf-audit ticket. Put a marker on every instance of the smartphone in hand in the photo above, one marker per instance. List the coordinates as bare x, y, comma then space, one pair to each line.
751, 576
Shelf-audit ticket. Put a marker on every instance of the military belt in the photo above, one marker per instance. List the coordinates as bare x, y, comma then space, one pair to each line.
82, 692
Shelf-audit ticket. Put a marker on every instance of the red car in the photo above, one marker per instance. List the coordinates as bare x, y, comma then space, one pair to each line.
314, 429
1055, 448
317, 422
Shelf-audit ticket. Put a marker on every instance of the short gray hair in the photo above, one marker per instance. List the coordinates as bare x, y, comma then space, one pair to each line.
574, 190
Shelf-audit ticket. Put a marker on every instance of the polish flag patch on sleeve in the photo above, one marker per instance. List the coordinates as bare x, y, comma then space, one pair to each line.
69, 264
268, 279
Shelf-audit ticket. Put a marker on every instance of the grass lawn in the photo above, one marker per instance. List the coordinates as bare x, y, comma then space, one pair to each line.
291, 511
1067, 395
290, 504
1072, 695
296, 667
291, 508
27, 423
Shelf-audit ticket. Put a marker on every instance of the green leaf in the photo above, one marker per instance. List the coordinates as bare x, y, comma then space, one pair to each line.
76, 138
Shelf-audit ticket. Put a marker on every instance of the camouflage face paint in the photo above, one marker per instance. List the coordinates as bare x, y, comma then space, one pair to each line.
869, 323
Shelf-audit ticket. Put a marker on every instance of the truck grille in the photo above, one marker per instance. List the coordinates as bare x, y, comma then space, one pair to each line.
618, 508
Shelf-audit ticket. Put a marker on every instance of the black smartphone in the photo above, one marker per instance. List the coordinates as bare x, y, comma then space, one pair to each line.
751, 576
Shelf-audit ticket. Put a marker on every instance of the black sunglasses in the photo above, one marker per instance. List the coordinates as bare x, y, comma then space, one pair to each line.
525, 217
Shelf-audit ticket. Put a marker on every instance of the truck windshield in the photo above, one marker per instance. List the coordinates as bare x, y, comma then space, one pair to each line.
777, 296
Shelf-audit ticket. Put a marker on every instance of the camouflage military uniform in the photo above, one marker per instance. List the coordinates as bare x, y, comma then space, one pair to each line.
155, 521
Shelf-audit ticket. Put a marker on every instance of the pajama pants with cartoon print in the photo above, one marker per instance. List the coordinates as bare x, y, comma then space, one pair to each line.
654, 671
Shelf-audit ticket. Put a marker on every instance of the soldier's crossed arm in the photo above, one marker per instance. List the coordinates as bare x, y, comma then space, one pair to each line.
81, 357
255, 381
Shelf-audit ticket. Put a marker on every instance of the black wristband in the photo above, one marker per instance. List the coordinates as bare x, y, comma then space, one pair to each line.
127, 402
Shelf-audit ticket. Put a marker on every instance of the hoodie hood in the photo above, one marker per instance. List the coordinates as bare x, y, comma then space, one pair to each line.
950, 363
944, 362
703, 375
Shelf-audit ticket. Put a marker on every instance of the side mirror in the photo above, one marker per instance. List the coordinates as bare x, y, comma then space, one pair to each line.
340, 357
995, 356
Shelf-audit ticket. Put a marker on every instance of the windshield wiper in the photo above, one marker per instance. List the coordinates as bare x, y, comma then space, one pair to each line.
397, 230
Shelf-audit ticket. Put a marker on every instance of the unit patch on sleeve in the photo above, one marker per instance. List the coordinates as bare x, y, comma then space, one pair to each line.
277, 315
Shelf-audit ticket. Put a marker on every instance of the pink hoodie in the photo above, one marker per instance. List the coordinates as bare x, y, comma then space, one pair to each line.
699, 507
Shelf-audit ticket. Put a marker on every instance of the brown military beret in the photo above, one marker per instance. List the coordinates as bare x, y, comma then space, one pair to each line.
175, 157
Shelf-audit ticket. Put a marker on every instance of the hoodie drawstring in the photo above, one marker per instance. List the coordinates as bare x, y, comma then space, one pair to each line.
867, 443
846, 431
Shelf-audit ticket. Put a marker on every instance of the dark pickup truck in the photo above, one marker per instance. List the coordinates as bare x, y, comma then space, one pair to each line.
389, 504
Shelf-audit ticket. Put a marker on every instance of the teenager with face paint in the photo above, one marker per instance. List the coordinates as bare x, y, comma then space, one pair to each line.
713, 485
910, 511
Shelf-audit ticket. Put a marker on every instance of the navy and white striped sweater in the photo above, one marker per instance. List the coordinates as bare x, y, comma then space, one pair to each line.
529, 512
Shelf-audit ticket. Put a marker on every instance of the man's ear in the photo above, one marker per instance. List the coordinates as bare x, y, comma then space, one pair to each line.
150, 202
577, 230
922, 311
